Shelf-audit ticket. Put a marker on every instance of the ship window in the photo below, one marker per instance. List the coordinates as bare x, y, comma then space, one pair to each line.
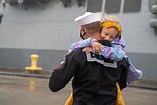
132, 6
112, 6
94, 5
151, 3
24, 4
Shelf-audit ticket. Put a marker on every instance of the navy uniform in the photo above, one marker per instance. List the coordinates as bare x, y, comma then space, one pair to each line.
94, 78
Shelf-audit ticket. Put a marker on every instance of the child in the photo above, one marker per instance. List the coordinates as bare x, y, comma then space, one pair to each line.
111, 31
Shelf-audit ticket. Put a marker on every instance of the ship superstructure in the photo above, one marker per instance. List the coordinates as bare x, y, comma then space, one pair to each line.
47, 28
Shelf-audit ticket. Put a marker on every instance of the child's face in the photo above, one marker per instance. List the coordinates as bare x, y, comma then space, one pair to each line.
109, 33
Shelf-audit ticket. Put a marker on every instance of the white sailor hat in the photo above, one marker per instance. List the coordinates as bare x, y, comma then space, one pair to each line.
88, 17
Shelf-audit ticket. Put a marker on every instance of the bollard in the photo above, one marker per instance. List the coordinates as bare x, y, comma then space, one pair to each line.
34, 58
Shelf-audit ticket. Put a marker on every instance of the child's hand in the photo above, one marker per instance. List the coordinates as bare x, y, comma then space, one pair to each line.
97, 47
87, 49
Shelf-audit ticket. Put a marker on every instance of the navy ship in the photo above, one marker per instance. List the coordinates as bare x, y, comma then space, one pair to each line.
47, 28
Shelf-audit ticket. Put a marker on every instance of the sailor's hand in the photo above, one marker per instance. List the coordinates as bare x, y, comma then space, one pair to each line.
87, 49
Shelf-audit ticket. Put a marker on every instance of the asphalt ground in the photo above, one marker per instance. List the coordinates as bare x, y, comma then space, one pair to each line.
32, 90
143, 83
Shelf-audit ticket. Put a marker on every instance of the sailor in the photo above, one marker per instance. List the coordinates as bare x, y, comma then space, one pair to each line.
94, 78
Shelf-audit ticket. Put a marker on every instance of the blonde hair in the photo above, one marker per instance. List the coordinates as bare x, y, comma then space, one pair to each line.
111, 21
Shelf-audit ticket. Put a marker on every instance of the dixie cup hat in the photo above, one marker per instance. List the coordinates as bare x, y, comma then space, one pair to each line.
88, 18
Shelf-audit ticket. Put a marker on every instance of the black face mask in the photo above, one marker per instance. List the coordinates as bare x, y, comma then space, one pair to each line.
82, 35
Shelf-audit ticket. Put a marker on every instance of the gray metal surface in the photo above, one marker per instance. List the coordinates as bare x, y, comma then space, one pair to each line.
53, 28
49, 32
20, 58
49, 59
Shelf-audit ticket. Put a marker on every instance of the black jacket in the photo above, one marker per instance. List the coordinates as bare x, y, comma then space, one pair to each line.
94, 78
